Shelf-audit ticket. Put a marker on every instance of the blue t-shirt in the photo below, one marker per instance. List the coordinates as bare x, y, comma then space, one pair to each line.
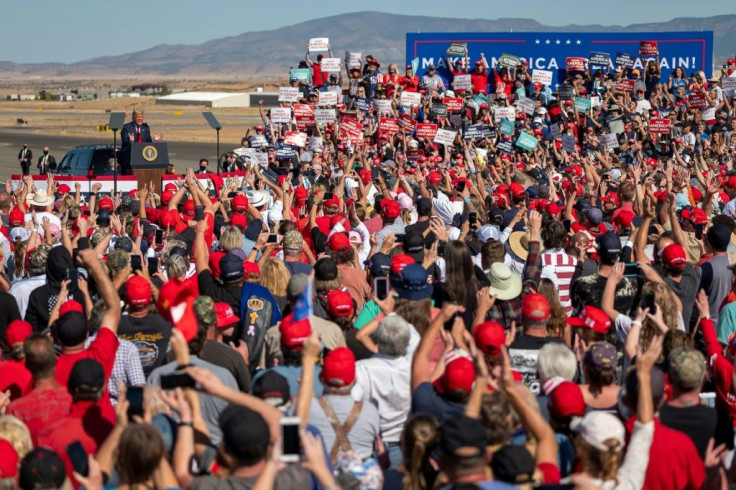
426, 400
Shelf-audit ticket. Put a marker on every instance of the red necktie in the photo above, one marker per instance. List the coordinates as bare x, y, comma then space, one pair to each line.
138, 134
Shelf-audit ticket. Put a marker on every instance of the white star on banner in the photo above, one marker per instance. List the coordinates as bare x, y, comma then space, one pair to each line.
546, 42
567, 42
557, 85
536, 42
557, 41
577, 42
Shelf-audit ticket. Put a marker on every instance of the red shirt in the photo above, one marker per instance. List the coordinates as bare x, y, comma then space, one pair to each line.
721, 368
627, 206
479, 81
674, 461
317, 79
15, 377
83, 423
39, 408
102, 349
410, 84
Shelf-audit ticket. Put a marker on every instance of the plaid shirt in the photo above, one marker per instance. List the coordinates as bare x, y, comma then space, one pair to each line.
127, 368
504, 312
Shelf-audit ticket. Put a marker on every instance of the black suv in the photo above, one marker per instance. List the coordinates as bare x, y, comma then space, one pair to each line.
82, 159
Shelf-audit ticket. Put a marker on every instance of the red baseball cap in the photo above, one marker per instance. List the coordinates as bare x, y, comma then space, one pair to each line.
490, 337
138, 291
238, 219
698, 196
434, 177
16, 217
106, 204
301, 194
390, 209
239, 203
674, 256
695, 215
553, 208
517, 190
8, 460
17, 332
365, 175
592, 318
459, 376
535, 307
214, 262
167, 196
398, 262
171, 187
133, 194
624, 218
294, 333
225, 315
252, 270
340, 303
69, 306
63, 189
339, 242
566, 400
189, 209
338, 368
332, 204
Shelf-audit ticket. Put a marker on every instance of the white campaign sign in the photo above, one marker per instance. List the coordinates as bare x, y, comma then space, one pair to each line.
327, 98
324, 116
353, 59
319, 44
281, 114
504, 113
382, 105
609, 140
527, 105
314, 143
330, 65
409, 99
462, 82
542, 76
288, 94
445, 136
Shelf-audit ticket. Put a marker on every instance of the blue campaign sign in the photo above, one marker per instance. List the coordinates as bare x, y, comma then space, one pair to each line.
693, 51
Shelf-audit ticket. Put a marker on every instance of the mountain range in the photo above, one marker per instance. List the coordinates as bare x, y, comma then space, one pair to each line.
265, 54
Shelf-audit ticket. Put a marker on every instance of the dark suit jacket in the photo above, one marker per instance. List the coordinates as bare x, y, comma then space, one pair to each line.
29, 155
51, 163
130, 128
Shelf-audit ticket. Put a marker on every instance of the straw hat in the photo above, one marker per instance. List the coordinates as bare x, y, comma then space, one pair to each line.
519, 243
40, 198
505, 284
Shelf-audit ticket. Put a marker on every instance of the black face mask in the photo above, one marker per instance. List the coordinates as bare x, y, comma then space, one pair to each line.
202, 167
45, 152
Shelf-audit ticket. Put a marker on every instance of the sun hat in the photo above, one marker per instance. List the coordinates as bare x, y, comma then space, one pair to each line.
40, 198
505, 285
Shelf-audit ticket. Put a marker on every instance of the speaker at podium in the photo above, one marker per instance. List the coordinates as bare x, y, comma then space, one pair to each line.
146, 160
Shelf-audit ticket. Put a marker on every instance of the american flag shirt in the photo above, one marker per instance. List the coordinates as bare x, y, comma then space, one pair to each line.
559, 267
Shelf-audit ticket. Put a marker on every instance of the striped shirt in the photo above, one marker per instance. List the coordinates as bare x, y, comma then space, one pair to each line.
559, 267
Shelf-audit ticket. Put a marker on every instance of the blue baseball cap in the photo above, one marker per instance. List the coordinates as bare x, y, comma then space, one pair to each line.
413, 283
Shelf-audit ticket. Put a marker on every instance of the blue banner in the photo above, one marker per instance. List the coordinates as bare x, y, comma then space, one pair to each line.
693, 51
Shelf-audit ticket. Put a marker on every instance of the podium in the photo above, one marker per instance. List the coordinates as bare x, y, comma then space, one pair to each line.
148, 161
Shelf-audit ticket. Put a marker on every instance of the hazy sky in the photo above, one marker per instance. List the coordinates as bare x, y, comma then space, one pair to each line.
52, 30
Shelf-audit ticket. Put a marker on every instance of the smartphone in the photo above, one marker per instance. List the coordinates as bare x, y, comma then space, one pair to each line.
380, 286
73, 276
177, 380
329, 196
134, 395
136, 263
647, 301
460, 186
291, 442
441, 248
631, 269
159, 236
78, 458
472, 218
152, 265
374, 173
273, 238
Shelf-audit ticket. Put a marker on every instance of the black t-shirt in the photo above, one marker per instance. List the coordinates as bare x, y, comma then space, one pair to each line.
419, 228
150, 335
524, 352
697, 422
8, 312
224, 356
588, 290
208, 286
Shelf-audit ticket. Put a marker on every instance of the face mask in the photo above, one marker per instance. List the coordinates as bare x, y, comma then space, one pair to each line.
202, 167
45, 152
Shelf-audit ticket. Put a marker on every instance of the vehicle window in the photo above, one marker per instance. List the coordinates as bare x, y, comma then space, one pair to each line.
65, 164
80, 160
100, 158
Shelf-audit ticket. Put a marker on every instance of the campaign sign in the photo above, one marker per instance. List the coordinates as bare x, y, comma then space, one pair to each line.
461, 82
625, 85
504, 113
610, 141
526, 104
691, 51
527, 141
509, 61
555, 132
597, 58
295, 138
697, 101
582, 104
314, 143
457, 49
330, 65
542, 76
363, 104
281, 114
454, 104
258, 140
285, 152
382, 105
301, 74
304, 116
409, 99
406, 122
566, 92
659, 126
353, 59
426, 131
444, 136
505, 146
568, 143
439, 110
489, 132
625, 60
327, 98
728, 84
414, 155
288, 94
324, 116
350, 128
648, 48
575, 64
506, 127
474, 132
317, 44
388, 125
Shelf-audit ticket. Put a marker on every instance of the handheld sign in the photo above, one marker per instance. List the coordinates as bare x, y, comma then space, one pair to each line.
409, 99
327, 98
506, 127
406, 122
697, 101
314, 143
555, 132
454, 104
462, 82
659, 126
609, 141
301, 74
350, 128
648, 48
445, 137
474, 132
505, 146
280, 114
509, 61
575, 64
353, 60
582, 104
457, 49
542, 76
295, 138
599, 59
330, 65
439, 110
324, 116
625, 85
568, 143
526, 104
426, 131
504, 113
258, 141
489, 132
288, 94
527, 141
566, 92
382, 105
388, 125
625, 60
304, 115
363, 104
317, 44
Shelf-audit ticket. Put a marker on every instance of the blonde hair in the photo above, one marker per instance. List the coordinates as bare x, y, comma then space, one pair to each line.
600, 464
665, 301
421, 435
13, 430
231, 238
557, 318
274, 277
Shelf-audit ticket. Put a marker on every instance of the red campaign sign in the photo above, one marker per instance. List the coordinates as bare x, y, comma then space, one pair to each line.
304, 116
426, 131
454, 104
295, 138
625, 85
388, 125
350, 128
406, 122
414, 155
698, 101
648, 48
659, 126
575, 64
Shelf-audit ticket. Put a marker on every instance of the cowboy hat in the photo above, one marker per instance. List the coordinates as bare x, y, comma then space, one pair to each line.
505, 285
256, 198
519, 243
40, 198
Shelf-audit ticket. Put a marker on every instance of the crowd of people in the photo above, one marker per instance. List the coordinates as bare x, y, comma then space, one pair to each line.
373, 306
